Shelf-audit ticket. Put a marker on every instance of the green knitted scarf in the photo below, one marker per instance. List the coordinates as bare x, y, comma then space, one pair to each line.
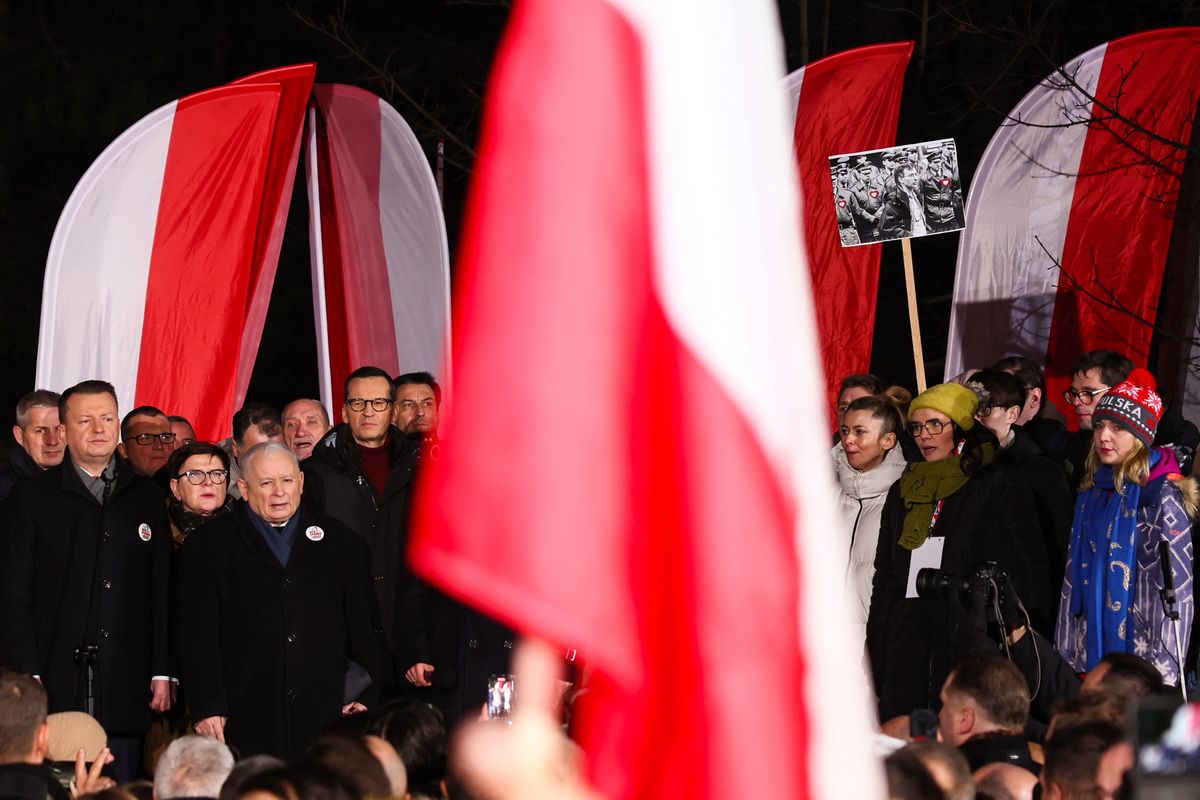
922, 485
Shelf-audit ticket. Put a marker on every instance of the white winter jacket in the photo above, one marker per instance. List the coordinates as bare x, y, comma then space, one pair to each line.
860, 500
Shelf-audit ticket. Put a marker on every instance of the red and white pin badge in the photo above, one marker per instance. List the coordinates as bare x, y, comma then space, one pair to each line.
874, 193
945, 181
314, 533
144, 532
841, 203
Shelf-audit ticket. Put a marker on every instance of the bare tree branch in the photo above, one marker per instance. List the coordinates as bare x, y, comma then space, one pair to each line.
1107, 297
336, 27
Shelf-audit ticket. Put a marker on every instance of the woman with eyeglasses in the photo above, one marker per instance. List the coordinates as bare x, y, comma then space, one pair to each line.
954, 511
868, 460
199, 480
1131, 538
199, 487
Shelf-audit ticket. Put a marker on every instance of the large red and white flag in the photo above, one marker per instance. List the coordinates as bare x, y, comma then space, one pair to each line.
845, 103
380, 263
1086, 174
161, 266
632, 466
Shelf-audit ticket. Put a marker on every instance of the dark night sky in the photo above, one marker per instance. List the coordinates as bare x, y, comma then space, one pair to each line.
77, 73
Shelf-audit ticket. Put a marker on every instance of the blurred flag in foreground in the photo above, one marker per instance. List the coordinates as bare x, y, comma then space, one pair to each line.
636, 460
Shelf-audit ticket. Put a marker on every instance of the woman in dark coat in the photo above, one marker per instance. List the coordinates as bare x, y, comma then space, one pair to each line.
953, 511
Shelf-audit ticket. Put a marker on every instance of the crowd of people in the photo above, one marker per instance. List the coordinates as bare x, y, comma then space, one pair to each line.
253, 592
240, 614
1019, 587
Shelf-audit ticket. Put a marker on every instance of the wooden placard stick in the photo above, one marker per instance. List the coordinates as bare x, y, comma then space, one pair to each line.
913, 321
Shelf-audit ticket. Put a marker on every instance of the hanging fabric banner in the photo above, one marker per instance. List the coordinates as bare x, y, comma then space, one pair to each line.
381, 266
847, 102
1084, 176
160, 268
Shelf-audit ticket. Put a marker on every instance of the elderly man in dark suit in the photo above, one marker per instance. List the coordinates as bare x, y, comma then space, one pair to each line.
86, 556
275, 615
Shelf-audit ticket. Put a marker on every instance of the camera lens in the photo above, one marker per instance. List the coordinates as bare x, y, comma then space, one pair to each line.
932, 583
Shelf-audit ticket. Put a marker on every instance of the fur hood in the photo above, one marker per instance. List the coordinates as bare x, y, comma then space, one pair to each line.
1190, 489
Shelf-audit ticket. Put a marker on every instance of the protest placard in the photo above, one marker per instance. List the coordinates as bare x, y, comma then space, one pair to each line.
897, 193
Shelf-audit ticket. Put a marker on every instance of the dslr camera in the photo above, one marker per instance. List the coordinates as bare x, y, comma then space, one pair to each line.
987, 582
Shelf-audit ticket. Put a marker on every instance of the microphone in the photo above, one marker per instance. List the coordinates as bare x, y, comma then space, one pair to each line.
1168, 590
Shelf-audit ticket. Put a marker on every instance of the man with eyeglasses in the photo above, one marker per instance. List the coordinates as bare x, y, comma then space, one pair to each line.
146, 440
84, 568
360, 474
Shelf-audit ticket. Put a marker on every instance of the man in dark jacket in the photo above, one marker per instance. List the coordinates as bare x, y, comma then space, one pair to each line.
359, 474
275, 612
85, 571
985, 704
39, 439
447, 650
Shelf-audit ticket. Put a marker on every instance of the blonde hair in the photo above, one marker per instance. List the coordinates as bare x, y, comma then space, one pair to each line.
1134, 467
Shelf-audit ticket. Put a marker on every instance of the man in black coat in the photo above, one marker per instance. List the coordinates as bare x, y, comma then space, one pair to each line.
39, 439
85, 571
275, 615
360, 474
447, 650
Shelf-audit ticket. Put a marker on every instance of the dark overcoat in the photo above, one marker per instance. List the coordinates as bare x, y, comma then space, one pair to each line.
268, 646
77, 572
336, 484
912, 643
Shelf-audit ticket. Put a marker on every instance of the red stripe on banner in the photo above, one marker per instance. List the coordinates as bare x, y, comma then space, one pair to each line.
337, 345
848, 102
354, 139
296, 83
1120, 226
203, 253
642, 522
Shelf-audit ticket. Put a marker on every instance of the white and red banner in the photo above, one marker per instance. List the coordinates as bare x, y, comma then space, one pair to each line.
381, 265
160, 269
1085, 174
847, 102
636, 366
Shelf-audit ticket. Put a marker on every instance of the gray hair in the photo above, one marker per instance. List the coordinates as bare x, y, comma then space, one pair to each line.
39, 398
263, 448
192, 766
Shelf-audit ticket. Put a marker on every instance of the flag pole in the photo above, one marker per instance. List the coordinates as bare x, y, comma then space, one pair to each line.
913, 322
